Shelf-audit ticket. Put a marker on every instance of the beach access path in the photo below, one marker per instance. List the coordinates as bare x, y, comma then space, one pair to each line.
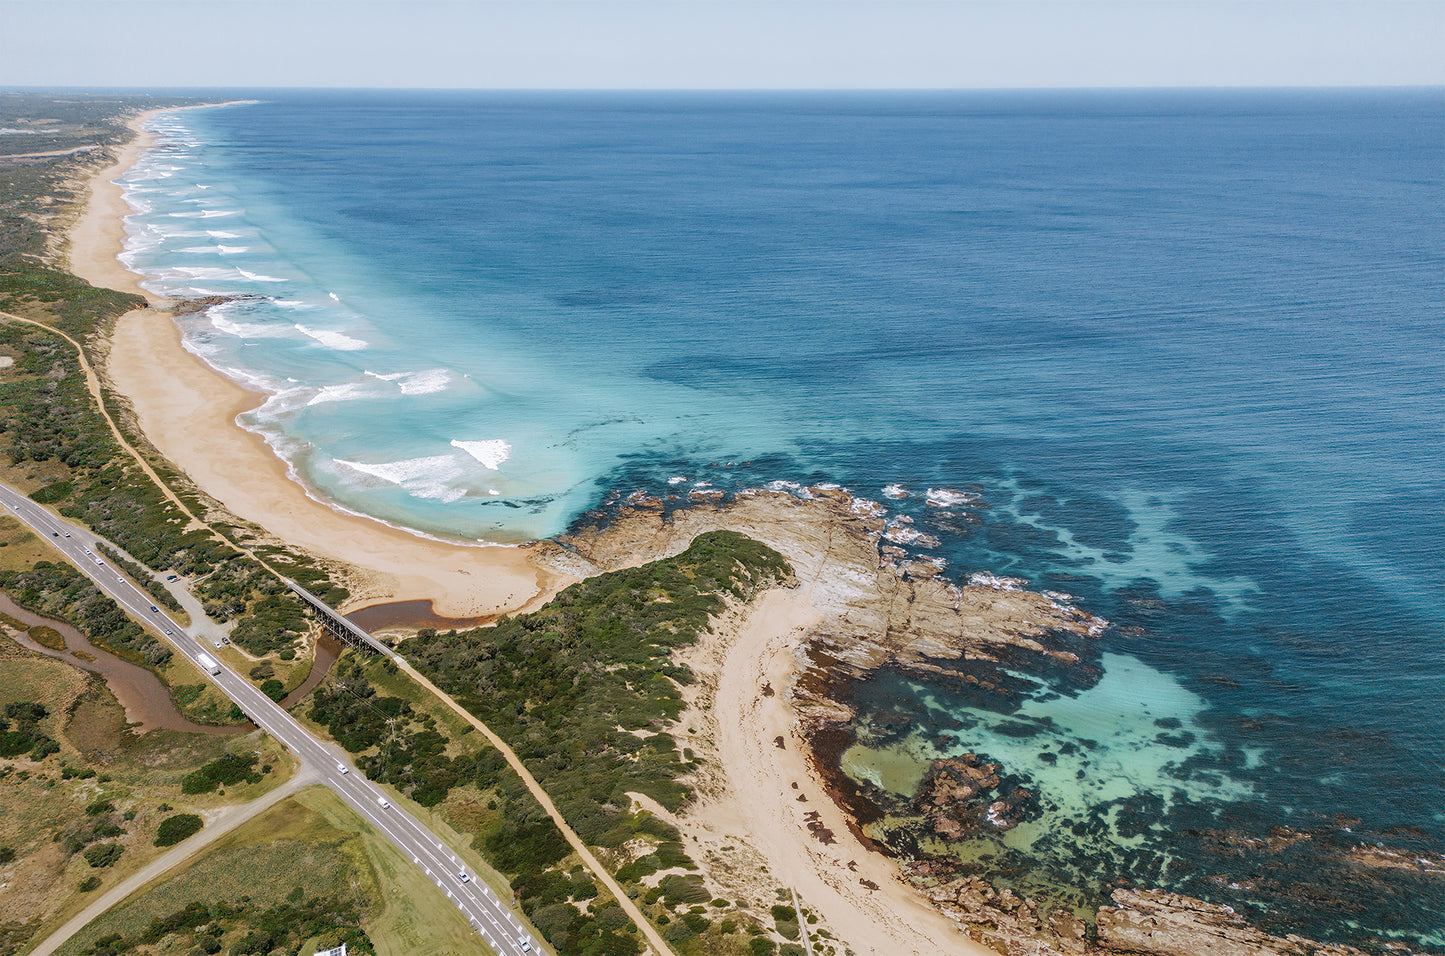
222, 823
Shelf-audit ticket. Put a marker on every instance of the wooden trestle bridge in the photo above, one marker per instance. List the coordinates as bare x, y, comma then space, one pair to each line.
337, 625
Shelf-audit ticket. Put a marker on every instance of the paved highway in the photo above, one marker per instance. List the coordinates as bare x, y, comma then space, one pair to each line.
490, 916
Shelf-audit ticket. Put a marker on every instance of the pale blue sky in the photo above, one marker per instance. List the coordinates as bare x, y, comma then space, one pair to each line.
733, 44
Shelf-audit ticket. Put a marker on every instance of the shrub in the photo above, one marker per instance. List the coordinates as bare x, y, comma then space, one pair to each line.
103, 854
88, 884
225, 770
175, 829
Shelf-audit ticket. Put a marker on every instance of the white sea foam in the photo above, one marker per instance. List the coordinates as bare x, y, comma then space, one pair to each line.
948, 498
491, 453
339, 393
247, 330
218, 273
869, 509
332, 340
983, 579
426, 383
216, 249
895, 492
416, 383
407, 469
220, 234
903, 534
429, 477
792, 487
677, 479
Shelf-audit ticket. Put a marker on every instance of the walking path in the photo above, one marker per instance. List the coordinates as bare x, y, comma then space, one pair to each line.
588, 859
92, 383
535, 788
228, 820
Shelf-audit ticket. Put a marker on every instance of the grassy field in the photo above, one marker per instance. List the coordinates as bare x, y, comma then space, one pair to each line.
414, 916
107, 785
19, 548
314, 844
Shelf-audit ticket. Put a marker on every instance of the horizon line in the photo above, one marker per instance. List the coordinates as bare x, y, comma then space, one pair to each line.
93, 88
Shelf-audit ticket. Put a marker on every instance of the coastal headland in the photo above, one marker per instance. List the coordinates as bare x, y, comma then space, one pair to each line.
756, 716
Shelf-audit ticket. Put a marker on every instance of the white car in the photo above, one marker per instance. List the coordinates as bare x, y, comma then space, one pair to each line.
341, 768
525, 943
462, 876
384, 804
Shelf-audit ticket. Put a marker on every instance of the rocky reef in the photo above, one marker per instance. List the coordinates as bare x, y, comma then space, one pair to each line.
1155, 923
885, 607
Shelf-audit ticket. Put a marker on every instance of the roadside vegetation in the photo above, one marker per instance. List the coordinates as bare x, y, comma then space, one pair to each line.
54, 443
89, 802
305, 875
586, 691
57, 590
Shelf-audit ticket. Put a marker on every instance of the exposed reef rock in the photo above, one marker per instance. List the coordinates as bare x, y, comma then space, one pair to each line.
201, 303
1155, 923
957, 798
1002, 919
884, 605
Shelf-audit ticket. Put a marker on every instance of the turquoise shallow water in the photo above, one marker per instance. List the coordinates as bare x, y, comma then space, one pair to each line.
1183, 351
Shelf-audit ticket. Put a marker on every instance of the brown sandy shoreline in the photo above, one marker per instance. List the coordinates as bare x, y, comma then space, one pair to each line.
766, 796
189, 413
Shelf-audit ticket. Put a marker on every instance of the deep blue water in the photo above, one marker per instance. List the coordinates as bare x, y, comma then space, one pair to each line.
1186, 346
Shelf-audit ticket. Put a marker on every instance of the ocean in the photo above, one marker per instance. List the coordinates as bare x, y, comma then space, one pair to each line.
1176, 354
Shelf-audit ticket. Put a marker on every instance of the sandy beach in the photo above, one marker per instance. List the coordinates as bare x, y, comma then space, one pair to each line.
767, 799
189, 414
775, 803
